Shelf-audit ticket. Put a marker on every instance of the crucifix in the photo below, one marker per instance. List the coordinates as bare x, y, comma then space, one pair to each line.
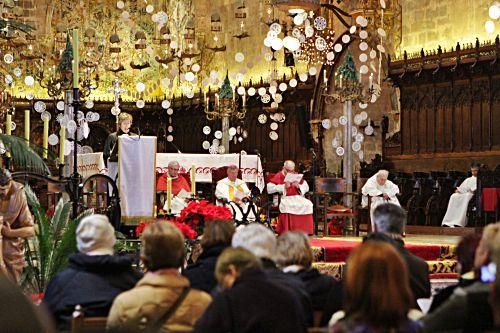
117, 91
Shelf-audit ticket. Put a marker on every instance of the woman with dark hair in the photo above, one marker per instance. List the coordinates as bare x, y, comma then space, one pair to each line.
217, 236
377, 293
466, 252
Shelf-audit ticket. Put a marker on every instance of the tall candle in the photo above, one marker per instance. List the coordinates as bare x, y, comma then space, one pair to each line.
27, 126
8, 128
244, 99
193, 179
76, 59
8, 125
169, 195
340, 80
370, 84
62, 142
45, 137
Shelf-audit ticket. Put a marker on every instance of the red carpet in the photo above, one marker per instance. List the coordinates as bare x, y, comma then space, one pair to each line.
337, 250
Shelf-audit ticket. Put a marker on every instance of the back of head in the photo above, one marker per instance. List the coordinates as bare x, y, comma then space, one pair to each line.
95, 235
257, 239
241, 259
376, 285
293, 248
217, 232
466, 250
5, 177
162, 246
389, 218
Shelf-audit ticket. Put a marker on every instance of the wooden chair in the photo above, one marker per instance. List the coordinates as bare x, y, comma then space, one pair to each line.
82, 324
272, 206
325, 191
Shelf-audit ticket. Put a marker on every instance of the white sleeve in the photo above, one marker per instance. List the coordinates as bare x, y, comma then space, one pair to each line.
273, 188
304, 188
370, 188
245, 188
468, 185
392, 189
220, 193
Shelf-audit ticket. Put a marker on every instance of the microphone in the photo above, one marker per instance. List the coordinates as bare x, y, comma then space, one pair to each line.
313, 152
257, 152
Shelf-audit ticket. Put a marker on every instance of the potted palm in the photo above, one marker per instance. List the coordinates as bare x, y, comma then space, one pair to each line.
55, 239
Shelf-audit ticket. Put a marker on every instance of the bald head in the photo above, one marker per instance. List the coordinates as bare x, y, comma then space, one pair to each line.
289, 166
382, 176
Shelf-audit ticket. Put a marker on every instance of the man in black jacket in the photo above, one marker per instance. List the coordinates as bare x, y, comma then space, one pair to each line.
93, 278
389, 222
252, 302
261, 242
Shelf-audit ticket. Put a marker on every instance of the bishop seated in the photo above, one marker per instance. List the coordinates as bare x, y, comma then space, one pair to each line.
233, 193
295, 210
180, 187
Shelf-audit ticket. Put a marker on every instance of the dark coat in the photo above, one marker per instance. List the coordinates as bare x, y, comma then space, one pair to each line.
418, 270
318, 286
255, 304
293, 283
90, 281
201, 274
444, 294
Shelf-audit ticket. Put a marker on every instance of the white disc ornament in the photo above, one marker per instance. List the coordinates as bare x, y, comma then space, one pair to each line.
218, 135
340, 151
206, 130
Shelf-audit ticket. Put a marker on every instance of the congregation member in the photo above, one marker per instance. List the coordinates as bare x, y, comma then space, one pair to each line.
378, 189
456, 214
389, 221
378, 297
468, 309
262, 243
295, 256
251, 301
295, 210
179, 183
16, 223
466, 253
93, 277
217, 235
163, 298
233, 193
110, 152
494, 298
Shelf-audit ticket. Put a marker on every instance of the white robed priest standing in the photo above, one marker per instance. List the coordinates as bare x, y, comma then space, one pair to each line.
456, 214
381, 190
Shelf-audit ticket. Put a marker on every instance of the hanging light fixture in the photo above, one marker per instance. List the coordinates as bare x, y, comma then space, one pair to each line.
297, 6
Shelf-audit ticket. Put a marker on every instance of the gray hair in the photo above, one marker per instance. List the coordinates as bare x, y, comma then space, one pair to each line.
172, 163
257, 239
5, 177
389, 218
383, 173
289, 164
293, 248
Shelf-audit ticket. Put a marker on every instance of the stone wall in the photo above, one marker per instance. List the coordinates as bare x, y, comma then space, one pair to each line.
429, 23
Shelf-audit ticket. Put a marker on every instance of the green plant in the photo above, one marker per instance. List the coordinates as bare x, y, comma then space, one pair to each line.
24, 156
47, 253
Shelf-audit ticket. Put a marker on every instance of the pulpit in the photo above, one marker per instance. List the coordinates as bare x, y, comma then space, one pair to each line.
136, 177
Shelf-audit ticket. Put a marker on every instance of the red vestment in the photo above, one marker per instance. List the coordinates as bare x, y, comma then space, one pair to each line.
295, 210
178, 184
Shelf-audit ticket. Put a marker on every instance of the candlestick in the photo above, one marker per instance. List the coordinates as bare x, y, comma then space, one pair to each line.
8, 128
45, 137
27, 126
193, 180
62, 142
169, 195
8, 125
76, 59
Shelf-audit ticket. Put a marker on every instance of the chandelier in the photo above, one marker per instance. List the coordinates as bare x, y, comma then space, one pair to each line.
225, 105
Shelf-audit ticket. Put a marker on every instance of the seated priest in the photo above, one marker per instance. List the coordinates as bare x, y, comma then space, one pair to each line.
295, 210
381, 190
180, 187
456, 214
233, 193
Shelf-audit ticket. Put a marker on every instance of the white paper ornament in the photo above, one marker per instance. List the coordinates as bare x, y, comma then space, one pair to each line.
326, 123
340, 151
218, 135
53, 139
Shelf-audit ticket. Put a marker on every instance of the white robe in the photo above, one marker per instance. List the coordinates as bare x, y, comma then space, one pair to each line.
222, 192
295, 204
456, 214
373, 189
